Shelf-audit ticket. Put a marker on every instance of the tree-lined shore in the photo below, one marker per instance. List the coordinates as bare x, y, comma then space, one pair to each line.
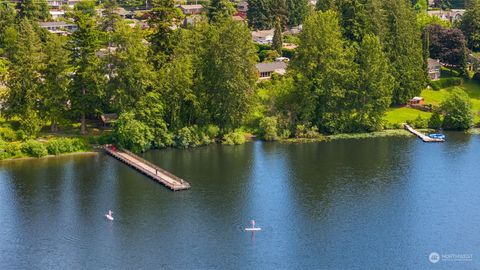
189, 85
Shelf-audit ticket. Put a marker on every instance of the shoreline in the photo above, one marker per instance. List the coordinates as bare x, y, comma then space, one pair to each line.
91, 152
325, 138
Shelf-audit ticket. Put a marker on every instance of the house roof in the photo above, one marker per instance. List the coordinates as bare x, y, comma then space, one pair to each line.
263, 33
55, 24
271, 67
189, 7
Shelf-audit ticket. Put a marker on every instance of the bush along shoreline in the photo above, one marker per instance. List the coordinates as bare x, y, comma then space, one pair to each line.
42, 147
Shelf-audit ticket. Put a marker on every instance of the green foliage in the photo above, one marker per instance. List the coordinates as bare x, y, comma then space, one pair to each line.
323, 70
305, 132
446, 82
33, 10
162, 19
192, 136
10, 150
227, 73
34, 148
131, 76
418, 122
66, 145
435, 120
277, 43
268, 128
404, 50
470, 24
88, 81
132, 134
219, 10
7, 134
457, 110
234, 138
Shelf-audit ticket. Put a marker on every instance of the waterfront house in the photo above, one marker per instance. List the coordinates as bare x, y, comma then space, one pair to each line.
191, 9
265, 70
434, 69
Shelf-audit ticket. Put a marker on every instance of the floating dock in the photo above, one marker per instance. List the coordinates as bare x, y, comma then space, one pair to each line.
422, 136
147, 168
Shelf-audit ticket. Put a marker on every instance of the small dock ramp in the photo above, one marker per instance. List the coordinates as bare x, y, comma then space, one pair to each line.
420, 135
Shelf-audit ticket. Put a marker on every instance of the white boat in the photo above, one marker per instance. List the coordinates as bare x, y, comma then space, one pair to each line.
253, 228
109, 216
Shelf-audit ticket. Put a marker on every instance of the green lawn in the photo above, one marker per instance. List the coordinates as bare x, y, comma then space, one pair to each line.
401, 115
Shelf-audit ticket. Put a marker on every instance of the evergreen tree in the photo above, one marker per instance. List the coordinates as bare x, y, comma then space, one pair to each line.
219, 10
402, 42
56, 76
7, 22
88, 77
180, 92
34, 10
110, 17
25, 80
130, 74
259, 14
324, 5
323, 71
374, 88
277, 43
470, 24
227, 73
297, 10
162, 18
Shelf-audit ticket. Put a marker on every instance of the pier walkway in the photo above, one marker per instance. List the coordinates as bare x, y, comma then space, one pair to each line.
422, 136
147, 168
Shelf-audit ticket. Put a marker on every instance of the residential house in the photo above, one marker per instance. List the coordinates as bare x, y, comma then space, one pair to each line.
452, 15
57, 13
59, 27
434, 69
265, 70
191, 9
263, 36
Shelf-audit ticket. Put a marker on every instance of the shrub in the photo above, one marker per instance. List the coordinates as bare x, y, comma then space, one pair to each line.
132, 133
457, 109
234, 138
301, 131
418, 122
435, 121
13, 149
31, 124
190, 137
476, 76
7, 134
446, 82
66, 145
34, 148
212, 131
268, 128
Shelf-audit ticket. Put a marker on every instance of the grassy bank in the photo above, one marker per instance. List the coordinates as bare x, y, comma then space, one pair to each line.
358, 136
397, 116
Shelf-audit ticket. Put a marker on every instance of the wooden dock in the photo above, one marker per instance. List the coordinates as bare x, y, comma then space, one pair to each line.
147, 168
422, 136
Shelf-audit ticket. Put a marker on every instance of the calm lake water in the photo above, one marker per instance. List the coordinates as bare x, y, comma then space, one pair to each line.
384, 203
